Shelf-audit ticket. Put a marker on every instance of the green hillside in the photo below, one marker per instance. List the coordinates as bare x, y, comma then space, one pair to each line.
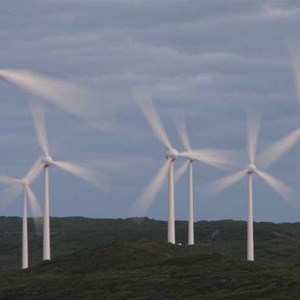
123, 270
273, 242
129, 258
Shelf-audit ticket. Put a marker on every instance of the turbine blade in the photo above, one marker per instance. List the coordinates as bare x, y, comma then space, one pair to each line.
40, 128
181, 170
35, 209
225, 182
88, 175
253, 131
283, 190
182, 130
34, 171
141, 206
148, 109
278, 149
7, 179
9, 195
217, 158
69, 97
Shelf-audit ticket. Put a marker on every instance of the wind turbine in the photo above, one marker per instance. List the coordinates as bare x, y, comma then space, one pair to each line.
216, 158
250, 170
47, 161
12, 192
144, 201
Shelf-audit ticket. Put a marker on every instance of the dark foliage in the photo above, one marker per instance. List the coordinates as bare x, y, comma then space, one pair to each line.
129, 259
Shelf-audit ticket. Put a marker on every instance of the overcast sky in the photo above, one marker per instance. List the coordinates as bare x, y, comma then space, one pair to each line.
210, 60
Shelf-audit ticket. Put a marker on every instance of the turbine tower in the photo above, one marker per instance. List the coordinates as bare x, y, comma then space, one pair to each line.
250, 170
88, 175
216, 158
144, 201
13, 191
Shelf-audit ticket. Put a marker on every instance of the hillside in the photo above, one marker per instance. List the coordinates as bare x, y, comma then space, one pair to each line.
122, 270
273, 242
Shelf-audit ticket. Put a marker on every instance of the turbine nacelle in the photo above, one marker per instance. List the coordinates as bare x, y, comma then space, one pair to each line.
251, 168
47, 161
172, 154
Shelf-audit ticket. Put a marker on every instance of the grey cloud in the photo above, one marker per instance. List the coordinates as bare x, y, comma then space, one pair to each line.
211, 60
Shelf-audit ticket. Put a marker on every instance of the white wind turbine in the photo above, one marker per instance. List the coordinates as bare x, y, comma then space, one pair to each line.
13, 191
216, 158
278, 186
144, 201
47, 161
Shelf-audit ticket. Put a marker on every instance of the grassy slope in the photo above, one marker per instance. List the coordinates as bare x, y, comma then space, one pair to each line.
123, 270
275, 242
213, 269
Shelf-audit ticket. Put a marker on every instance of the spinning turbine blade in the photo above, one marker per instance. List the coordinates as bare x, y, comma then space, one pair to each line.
143, 203
225, 182
7, 179
179, 172
152, 117
68, 97
183, 132
277, 185
277, 150
40, 128
216, 158
253, 130
34, 171
35, 209
9, 195
88, 175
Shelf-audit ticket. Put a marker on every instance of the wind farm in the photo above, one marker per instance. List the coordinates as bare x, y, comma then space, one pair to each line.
149, 107
211, 156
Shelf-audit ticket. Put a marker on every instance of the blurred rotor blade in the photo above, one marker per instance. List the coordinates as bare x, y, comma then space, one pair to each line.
148, 109
283, 190
182, 130
294, 47
88, 175
8, 180
225, 182
141, 206
9, 195
217, 158
35, 209
69, 97
34, 171
253, 131
278, 149
40, 127
180, 171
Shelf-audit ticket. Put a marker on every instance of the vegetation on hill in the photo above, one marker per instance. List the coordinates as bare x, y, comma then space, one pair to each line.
123, 270
129, 259
273, 242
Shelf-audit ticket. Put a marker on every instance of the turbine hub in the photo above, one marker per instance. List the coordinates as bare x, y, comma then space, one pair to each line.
24, 182
47, 161
172, 154
251, 169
